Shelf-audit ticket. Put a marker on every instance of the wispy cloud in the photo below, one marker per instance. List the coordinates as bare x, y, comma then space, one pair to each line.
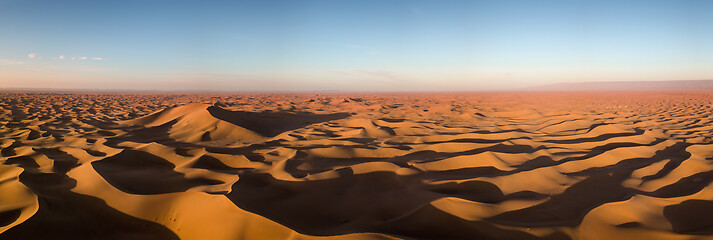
62, 57
88, 58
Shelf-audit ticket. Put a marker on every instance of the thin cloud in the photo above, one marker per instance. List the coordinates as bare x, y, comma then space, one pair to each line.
62, 57
352, 46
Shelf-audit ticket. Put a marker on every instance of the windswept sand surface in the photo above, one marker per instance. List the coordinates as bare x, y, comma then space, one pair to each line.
626, 165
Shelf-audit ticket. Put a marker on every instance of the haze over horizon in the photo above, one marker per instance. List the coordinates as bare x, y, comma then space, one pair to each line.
358, 46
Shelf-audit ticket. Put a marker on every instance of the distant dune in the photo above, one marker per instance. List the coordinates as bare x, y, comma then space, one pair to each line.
519, 165
627, 85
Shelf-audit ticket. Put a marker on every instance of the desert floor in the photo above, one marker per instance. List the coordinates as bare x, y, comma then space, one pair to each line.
517, 165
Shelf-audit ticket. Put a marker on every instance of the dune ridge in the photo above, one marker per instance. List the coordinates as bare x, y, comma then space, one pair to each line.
588, 165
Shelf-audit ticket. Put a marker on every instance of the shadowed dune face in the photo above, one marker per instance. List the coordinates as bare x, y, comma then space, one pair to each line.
139, 172
687, 217
625, 165
270, 124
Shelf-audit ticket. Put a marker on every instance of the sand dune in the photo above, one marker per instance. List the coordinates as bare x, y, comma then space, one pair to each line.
586, 165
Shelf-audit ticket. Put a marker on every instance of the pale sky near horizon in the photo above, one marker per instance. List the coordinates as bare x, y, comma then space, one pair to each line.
385, 45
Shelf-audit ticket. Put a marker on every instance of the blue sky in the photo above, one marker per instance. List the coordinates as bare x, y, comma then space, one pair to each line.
385, 45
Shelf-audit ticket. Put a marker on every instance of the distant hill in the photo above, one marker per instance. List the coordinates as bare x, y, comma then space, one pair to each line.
627, 85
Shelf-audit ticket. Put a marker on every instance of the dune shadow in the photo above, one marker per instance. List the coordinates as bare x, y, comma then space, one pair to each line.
480, 191
602, 185
332, 206
139, 172
8, 217
382, 202
271, 124
686, 217
569, 207
64, 214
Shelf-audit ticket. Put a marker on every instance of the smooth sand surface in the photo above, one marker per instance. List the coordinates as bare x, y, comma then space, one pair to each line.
518, 165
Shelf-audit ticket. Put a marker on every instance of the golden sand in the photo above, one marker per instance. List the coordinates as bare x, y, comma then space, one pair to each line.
518, 165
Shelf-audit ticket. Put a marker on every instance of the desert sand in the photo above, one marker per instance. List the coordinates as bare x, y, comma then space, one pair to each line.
510, 165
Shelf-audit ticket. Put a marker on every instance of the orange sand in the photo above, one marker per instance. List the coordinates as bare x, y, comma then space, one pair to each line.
579, 165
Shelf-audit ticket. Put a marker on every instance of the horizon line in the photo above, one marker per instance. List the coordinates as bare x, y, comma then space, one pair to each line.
537, 88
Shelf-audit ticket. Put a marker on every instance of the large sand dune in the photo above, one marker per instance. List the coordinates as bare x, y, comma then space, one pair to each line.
584, 165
